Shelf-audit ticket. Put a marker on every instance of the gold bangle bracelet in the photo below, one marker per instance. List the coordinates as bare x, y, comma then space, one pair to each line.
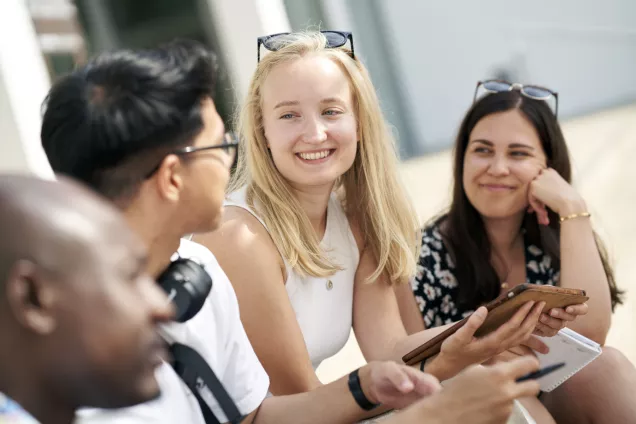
575, 215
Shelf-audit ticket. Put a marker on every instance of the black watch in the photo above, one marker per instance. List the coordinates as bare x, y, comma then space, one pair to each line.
358, 394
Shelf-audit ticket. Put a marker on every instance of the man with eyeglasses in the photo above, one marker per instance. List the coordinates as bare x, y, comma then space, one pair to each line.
140, 127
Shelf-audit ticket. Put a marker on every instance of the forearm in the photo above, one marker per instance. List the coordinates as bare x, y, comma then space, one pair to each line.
582, 268
441, 368
329, 404
409, 312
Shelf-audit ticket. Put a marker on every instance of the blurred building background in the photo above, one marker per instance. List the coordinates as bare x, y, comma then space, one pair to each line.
424, 57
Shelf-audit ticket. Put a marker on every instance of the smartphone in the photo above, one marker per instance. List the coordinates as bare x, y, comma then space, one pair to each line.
500, 311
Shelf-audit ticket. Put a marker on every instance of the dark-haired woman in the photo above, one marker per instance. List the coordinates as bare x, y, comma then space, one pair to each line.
515, 218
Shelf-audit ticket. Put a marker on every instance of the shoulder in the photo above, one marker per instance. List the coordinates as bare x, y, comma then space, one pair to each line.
241, 221
241, 239
435, 264
432, 240
356, 230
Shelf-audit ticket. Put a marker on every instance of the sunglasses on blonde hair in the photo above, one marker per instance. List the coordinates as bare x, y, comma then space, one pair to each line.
534, 92
276, 42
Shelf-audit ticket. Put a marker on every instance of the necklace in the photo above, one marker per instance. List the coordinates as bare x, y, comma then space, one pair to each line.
504, 283
506, 267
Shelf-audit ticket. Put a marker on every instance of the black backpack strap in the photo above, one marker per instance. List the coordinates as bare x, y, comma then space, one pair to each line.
197, 374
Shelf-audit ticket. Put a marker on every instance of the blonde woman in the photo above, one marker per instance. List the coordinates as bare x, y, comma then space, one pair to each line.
318, 228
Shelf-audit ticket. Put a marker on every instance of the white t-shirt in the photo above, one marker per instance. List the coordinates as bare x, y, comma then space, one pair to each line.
217, 334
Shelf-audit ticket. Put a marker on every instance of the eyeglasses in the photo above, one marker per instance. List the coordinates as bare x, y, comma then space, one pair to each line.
531, 91
229, 146
276, 42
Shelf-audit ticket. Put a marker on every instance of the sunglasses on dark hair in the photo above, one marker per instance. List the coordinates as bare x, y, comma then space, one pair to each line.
276, 42
535, 92
230, 146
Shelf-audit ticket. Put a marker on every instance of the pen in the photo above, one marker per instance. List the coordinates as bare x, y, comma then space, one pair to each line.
538, 374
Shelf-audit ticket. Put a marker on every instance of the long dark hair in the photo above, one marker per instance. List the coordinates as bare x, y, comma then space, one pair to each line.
463, 229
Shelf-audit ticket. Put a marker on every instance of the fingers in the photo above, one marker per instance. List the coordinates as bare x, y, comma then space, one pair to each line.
509, 334
424, 384
570, 313
400, 377
515, 369
466, 333
555, 323
521, 350
519, 367
577, 310
531, 320
528, 388
398, 386
551, 323
544, 331
536, 345
541, 211
561, 315
518, 318
507, 331
522, 324
517, 329
536, 205
528, 326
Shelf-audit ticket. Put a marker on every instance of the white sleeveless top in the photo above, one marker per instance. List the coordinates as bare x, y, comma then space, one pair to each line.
323, 306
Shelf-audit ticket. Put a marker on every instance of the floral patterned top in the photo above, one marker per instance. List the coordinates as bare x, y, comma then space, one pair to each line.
12, 413
435, 286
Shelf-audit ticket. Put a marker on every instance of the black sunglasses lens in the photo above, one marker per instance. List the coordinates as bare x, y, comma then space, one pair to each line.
335, 39
536, 92
496, 86
278, 41
274, 42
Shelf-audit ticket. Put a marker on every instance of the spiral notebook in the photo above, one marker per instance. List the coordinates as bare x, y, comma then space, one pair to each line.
567, 346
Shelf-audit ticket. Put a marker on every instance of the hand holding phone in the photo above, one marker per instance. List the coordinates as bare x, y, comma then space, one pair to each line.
462, 349
499, 312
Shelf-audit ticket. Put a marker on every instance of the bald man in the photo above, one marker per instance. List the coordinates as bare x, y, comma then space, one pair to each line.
77, 310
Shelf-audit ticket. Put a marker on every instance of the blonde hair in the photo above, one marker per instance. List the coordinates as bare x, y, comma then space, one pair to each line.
371, 192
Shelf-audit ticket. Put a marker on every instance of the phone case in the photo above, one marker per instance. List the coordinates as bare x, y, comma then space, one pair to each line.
500, 311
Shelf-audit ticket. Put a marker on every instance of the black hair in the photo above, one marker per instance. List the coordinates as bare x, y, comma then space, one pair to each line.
463, 230
111, 121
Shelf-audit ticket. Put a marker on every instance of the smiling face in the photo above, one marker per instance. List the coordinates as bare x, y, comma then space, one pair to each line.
309, 121
503, 155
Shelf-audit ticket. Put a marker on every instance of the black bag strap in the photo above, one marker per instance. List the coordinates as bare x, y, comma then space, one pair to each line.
196, 373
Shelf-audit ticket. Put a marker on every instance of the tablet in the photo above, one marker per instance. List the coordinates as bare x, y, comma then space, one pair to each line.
500, 311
